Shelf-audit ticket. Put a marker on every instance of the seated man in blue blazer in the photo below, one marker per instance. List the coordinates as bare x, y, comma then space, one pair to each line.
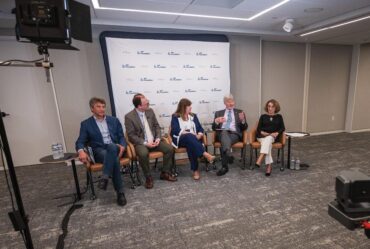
104, 134
229, 125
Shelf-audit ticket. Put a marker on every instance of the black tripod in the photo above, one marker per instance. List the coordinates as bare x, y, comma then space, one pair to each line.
18, 217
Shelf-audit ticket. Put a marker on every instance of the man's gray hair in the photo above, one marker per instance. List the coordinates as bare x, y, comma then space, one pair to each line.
228, 96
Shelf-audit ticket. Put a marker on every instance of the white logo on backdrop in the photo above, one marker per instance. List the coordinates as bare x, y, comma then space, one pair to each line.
166, 71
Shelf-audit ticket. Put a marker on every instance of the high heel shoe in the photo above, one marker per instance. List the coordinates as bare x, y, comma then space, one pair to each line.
257, 165
268, 170
196, 175
210, 158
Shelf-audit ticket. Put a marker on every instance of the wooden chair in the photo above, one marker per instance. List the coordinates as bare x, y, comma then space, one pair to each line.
255, 145
181, 150
242, 145
153, 155
92, 167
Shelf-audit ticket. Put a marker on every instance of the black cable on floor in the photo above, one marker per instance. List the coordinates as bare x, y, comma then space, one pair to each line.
65, 221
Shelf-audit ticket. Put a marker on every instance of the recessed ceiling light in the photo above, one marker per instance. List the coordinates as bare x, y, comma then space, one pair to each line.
313, 10
96, 5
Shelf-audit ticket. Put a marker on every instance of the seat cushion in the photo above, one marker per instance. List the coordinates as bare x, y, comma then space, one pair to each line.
180, 150
217, 144
96, 167
124, 161
277, 145
155, 154
238, 145
255, 145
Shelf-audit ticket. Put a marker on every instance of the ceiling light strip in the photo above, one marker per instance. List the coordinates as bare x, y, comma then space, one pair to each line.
96, 5
267, 10
335, 26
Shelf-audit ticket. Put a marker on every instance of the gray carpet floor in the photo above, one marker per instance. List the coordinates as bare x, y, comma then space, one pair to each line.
243, 209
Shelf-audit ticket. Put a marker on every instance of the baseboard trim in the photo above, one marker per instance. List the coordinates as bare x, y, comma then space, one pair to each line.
363, 130
326, 132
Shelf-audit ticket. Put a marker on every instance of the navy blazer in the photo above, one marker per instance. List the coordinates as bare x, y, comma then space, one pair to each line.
176, 131
91, 135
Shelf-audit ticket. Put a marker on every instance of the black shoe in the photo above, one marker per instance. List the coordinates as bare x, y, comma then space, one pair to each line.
222, 171
257, 165
103, 184
268, 170
231, 159
121, 199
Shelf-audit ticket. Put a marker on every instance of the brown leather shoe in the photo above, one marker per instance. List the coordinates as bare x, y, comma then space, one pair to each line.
168, 177
149, 182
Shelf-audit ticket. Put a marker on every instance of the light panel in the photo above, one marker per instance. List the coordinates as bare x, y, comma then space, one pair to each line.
97, 6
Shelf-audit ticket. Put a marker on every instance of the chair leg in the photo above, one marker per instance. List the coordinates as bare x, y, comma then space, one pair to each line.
155, 164
92, 194
135, 172
278, 156
250, 157
282, 166
130, 171
242, 159
175, 172
206, 165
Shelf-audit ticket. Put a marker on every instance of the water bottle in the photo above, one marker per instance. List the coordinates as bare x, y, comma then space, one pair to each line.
55, 151
297, 164
292, 163
60, 150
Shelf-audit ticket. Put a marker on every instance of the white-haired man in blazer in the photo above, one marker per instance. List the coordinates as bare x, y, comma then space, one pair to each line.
229, 125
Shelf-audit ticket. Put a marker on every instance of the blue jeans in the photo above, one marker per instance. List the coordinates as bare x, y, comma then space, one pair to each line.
108, 156
194, 148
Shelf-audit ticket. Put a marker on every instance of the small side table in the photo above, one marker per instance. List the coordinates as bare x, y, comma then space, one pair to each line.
294, 135
67, 157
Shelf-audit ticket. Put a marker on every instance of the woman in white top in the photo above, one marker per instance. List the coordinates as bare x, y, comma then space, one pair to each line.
186, 131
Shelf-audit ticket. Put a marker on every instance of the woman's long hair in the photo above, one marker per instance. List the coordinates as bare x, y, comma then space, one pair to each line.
181, 108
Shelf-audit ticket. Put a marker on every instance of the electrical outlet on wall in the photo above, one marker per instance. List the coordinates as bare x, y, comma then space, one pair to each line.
332, 118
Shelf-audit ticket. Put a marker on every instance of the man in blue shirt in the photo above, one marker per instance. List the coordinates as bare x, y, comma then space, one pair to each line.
104, 134
229, 125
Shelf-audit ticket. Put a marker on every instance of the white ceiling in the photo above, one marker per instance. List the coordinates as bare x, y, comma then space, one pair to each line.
268, 26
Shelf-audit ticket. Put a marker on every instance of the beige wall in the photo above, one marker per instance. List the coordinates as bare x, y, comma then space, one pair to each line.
328, 86
245, 75
361, 117
24, 93
283, 67
81, 75
78, 76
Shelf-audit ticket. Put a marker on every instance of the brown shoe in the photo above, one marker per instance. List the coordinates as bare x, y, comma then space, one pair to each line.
196, 175
149, 182
168, 177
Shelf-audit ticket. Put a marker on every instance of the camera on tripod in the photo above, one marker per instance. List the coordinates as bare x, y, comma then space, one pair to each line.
352, 205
